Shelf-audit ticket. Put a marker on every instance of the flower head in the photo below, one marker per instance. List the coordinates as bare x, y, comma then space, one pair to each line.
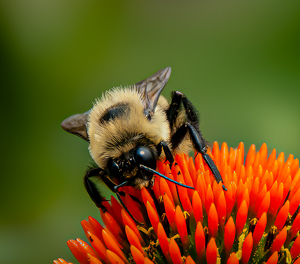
256, 220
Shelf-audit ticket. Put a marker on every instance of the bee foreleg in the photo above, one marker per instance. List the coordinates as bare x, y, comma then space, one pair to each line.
91, 186
163, 145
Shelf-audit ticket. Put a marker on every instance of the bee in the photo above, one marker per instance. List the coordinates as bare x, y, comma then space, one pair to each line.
130, 128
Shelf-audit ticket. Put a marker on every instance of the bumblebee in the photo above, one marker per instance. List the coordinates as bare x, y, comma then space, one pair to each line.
130, 128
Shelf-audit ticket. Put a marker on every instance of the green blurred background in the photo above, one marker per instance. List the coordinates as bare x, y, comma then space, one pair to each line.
238, 61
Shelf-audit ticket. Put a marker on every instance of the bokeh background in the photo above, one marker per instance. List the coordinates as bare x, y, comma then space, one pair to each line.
238, 61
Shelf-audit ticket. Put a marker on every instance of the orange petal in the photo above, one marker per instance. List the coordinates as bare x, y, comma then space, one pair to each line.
117, 210
134, 208
148, 261
127, 220
84, 247
247, 248
170, 212
189, 260
175, 252
112, 225
213, 221
295, 201
296, 226
181, 227
295, 249
93, 260
114, 258
112, 244
197, 207
77, 252
96, 227
200, 242
273, 259
279, 240
221, 209
259, 229
163, 241
264, 206
241, 217
282, 216
133, 238
233, 259
60, 261
230, 199
164, 188
147, 197
209, 199
137, 255
97, 244
153, 216
250, 156
211, 252
229, 235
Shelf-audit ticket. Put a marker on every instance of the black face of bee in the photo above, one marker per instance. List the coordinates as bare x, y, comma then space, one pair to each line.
128, 165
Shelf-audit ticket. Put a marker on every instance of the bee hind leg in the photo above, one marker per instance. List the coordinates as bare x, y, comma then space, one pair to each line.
191, 126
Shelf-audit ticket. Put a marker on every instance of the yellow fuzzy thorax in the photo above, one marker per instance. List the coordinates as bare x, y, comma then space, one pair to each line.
117, 136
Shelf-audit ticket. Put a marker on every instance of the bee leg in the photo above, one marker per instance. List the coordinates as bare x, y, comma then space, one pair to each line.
174, 108
92, 189
116, 187
163, 145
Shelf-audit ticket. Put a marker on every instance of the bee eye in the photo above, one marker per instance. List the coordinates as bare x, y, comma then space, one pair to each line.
144, 155
114, 171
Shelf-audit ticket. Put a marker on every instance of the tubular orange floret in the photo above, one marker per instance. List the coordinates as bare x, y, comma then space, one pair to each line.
279, 240
134, 208
259, 229
181, 227
247, 248
112, 245
213, 221
221, 209
197, 207
200, 242
209, 199
163, 241
114, 258
233, 259
112, 225
295, 249
211, 252
61, 261
189, 260
295, 201
170, 212
282, 215
128, 221
229, 196
153, 216
175, 252
229, 235
93, 260
241, 217
98, 245
137, 255
264, 206
133, 238
273, 259
96, 227
164, 188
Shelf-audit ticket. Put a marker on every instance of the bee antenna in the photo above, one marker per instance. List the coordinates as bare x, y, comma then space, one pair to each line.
165, 177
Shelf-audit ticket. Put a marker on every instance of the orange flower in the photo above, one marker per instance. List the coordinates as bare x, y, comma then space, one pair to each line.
256, 220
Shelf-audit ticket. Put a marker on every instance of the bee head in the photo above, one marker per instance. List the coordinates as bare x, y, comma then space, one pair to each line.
128, 166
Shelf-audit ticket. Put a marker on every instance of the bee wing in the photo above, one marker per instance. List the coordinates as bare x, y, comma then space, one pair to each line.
152, 87
77, 125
